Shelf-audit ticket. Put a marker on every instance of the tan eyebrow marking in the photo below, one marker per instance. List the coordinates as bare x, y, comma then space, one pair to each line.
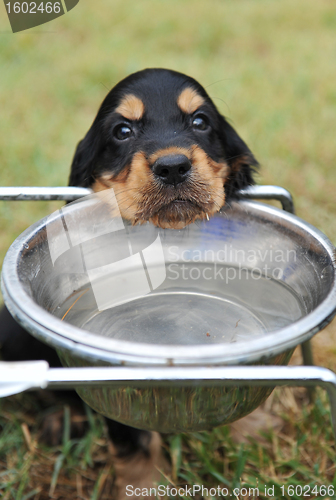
189, 100
131, 107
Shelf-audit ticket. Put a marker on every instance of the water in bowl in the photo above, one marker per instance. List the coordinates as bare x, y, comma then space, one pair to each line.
210, 306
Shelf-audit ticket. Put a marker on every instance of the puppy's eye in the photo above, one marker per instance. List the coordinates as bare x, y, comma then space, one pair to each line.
200, 123
122, 132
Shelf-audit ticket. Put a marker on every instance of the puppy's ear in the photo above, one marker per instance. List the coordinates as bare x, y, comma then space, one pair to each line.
240, 159
86, 157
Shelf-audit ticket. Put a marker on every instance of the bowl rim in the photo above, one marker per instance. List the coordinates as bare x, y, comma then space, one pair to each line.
61, 335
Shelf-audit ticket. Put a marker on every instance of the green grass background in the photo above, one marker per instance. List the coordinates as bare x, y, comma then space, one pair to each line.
270, 67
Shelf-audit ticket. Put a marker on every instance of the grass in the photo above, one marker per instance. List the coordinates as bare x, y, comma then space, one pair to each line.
270, 68
82, 468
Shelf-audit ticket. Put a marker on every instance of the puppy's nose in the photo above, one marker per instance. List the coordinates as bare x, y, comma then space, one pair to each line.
172, 169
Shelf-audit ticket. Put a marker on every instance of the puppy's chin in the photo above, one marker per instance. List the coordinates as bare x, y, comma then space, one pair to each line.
179, 214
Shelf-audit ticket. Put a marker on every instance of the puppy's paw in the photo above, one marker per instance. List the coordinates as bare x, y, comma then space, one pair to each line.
137, 473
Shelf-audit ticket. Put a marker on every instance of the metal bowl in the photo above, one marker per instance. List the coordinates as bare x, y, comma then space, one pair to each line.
243, 288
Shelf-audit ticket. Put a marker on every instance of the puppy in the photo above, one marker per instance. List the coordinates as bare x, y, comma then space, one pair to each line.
160, 143
172, 159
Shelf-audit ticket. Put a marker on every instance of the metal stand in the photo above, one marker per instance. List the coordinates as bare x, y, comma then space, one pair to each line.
73, 193
12, 380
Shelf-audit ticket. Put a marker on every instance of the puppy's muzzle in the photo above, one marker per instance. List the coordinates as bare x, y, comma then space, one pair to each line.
172, 169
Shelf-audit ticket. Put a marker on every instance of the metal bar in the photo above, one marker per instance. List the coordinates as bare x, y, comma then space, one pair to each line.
37, 374
72, 193
230, 375
308, 357
308, 360
307, 353
42, 193
270, 193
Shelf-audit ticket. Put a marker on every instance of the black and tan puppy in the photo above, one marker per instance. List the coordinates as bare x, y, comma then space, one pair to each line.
171, 159
160, 142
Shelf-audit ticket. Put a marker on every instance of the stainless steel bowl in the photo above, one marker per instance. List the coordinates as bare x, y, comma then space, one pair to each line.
246, 287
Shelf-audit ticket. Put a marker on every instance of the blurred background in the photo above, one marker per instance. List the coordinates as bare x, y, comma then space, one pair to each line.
269, 66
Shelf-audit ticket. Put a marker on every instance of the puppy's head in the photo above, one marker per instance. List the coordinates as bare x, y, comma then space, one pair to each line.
160, 143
